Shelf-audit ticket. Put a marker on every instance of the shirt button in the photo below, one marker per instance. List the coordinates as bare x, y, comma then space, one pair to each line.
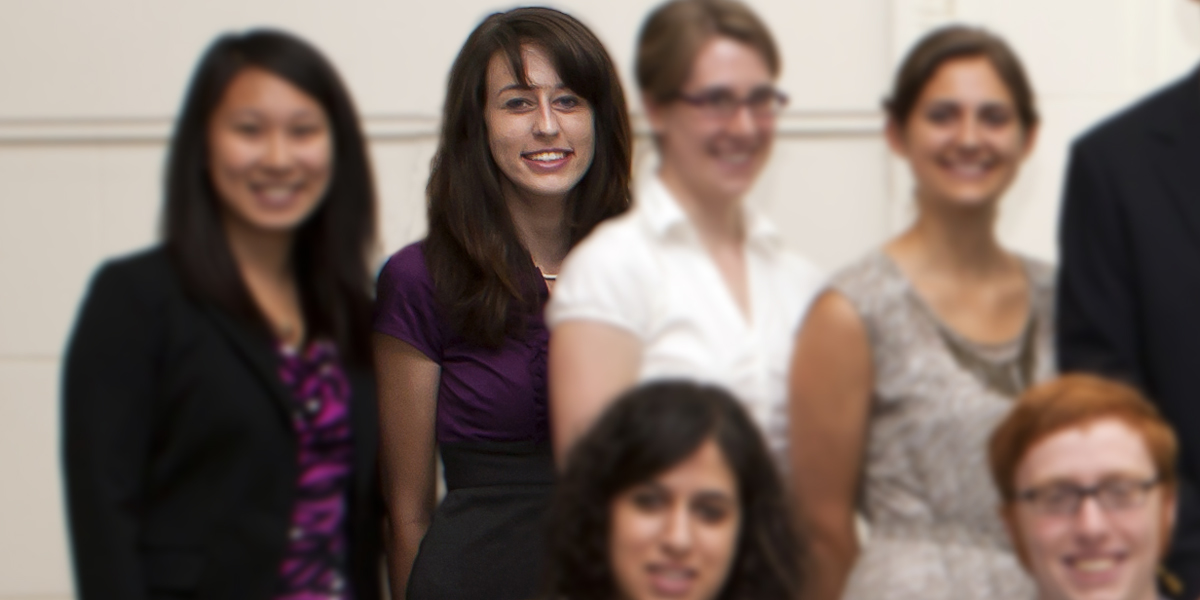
313, 405
296, 533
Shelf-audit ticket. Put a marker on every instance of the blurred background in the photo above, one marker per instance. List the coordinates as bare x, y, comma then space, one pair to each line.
88, 90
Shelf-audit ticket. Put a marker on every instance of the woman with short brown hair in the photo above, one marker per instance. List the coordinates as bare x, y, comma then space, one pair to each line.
692, 283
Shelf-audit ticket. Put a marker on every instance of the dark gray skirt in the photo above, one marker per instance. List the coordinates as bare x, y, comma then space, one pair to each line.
487, 539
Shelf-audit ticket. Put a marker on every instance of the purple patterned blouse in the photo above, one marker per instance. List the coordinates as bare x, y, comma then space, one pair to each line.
314, 562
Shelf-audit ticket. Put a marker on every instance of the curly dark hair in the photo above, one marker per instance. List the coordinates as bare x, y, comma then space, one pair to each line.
647, 431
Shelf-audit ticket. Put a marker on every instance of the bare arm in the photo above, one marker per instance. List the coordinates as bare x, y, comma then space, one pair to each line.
408, 385
830, 390
590, 364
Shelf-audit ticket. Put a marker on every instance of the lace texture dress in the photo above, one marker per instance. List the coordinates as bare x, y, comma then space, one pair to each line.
926, 490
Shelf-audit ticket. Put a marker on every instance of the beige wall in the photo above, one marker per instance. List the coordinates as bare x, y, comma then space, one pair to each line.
90, 87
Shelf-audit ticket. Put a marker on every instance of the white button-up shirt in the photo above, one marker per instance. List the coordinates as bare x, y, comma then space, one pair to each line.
648, 273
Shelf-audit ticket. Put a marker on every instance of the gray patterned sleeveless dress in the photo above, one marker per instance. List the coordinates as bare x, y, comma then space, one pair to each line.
926, 491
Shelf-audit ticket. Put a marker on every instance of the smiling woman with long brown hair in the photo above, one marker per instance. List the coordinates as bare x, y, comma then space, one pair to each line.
534, 152
916, 351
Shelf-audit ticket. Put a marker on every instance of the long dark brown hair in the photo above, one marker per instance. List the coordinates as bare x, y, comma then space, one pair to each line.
331, 247
646, 432
483, 275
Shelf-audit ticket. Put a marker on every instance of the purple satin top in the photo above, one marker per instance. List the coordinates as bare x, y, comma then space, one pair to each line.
484, 394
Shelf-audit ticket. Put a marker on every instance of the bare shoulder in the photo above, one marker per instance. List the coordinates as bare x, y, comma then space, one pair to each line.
832, 368
832, 314
833, 348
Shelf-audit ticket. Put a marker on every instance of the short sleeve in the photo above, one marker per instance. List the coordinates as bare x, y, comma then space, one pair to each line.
606, 279
405, 303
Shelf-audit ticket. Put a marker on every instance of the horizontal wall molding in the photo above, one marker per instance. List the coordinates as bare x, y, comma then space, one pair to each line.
379, 128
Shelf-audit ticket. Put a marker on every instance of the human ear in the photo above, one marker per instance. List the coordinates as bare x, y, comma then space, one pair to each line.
653, 113
1031, 137
894, 132
1170, 507
1009, 517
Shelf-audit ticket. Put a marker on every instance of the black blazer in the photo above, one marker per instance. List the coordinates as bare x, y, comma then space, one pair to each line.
179, 452
1129, 285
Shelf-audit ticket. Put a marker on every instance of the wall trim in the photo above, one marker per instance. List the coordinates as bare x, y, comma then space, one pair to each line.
379, 128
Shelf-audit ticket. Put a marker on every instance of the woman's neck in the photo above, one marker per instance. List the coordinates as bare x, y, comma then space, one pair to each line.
540, 226
263, 255
954, 240
718, 219
264, 260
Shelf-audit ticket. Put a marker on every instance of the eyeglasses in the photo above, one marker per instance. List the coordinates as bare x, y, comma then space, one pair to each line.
722, 103
1064, 499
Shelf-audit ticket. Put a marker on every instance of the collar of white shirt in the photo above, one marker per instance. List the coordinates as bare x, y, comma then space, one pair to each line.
664, 215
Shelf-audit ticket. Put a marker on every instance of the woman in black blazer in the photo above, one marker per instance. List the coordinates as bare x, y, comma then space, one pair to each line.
218, 408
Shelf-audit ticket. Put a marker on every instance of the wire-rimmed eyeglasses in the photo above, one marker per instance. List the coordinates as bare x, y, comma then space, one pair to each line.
722, 103
1064, 499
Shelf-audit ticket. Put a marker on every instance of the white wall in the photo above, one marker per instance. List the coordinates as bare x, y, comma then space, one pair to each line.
90, 86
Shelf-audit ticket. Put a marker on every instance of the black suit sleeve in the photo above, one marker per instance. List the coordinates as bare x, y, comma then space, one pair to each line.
1097, 302
108, 391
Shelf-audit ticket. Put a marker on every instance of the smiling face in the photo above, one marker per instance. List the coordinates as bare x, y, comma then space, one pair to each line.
1094, 553
676, 536
708, 154
270, 152
963, 140
541, 136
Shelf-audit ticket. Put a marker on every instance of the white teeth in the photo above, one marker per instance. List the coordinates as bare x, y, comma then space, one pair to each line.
1094, 565
276, 192
737, 159
546, 156
674, 574
969, 170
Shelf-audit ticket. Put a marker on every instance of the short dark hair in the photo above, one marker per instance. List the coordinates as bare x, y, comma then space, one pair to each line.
331, 247
645, 432
953, 42
483, 275
673, 33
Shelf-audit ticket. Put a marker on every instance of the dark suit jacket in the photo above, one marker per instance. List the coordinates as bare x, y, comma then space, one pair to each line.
179, 451
1129, 287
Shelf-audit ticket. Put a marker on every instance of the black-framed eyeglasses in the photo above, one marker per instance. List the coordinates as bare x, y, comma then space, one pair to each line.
722, 103
1064, 499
